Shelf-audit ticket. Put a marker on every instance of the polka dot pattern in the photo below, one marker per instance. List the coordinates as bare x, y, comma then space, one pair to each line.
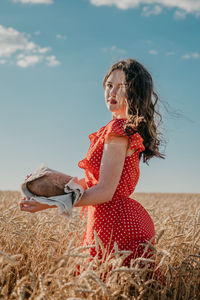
122, 219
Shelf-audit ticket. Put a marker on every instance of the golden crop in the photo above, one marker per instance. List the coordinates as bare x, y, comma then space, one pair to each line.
39, 254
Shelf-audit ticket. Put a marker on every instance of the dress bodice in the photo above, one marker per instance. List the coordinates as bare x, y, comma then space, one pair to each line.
91, 163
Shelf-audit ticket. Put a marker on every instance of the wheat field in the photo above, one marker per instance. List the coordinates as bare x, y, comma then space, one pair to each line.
39, 254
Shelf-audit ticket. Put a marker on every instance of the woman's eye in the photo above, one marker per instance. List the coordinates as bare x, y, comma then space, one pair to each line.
109, 85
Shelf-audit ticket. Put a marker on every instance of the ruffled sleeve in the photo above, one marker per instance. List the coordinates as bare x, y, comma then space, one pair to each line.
92, 137
116, 128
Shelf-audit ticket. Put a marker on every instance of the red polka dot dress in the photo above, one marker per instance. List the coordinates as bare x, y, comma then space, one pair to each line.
122, 219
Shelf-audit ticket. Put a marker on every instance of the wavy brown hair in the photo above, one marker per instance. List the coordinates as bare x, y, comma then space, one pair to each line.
142, 113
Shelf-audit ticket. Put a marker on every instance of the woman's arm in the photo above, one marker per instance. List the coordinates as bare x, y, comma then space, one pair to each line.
112, 164
82, 183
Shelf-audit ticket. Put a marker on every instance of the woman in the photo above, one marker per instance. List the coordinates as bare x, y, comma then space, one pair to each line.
112, 163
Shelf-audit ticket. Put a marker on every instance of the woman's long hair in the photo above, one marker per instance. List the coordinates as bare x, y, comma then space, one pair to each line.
142, 114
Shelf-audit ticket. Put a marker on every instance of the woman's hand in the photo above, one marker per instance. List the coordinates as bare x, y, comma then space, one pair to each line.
32, 206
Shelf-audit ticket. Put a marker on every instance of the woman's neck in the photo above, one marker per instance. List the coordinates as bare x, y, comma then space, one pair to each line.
120, 116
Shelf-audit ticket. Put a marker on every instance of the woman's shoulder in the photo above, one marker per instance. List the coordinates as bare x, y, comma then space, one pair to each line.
117, 121
116, 127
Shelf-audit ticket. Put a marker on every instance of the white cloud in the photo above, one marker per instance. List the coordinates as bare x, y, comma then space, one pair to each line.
34, 1
154, 10
13, 42
169, 53
114, 49
180, 14
185, 6
192, 55
44, 50
122, 4
37, 32
2, 61
186, 56
24, 61
52, 61
153, 52
61, 37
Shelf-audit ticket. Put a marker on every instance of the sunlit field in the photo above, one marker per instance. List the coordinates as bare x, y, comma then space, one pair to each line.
39, 254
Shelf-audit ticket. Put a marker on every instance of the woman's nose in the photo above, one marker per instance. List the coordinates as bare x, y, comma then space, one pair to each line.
113, 91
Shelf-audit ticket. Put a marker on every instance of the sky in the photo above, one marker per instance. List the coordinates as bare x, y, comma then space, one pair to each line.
53, 57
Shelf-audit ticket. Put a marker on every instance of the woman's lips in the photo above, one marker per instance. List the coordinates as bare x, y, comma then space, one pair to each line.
113, 101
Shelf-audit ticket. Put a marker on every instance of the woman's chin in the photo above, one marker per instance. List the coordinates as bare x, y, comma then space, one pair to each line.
111, 108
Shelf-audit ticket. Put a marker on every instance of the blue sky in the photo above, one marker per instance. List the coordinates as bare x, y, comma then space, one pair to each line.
53, 56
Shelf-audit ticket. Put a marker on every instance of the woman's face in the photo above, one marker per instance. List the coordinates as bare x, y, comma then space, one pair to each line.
115, 94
